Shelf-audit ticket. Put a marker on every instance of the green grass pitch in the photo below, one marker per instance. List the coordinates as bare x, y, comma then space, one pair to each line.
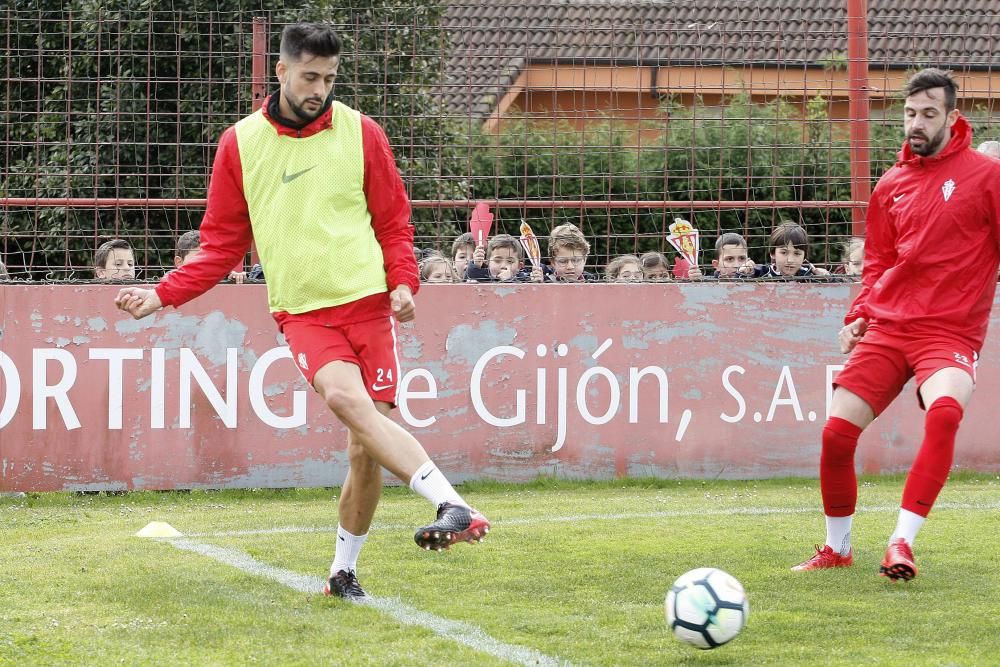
572, 573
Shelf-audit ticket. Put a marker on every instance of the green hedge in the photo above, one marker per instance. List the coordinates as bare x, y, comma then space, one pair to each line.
742, 151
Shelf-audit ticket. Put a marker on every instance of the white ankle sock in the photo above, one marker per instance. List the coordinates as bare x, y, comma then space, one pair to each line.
348, 547
838, 533
430, 482
907, 526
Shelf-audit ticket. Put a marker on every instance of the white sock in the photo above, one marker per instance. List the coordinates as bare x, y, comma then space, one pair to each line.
907, 526
838, 533
348, 547
431, 483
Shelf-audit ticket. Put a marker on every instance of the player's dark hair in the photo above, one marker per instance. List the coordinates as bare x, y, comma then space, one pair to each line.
789, 233
317, 39
187, 242
104, 251
931, 77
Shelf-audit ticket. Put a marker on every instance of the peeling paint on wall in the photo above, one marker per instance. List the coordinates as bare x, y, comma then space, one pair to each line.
670, 380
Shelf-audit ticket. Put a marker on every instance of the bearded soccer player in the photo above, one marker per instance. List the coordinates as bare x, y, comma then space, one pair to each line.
315, 185
931, 256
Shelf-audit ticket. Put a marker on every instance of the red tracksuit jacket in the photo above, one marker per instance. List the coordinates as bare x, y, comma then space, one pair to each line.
933, 244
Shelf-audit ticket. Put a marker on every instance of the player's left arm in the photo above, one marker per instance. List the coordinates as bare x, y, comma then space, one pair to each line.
226, 232
880, 251
389, 207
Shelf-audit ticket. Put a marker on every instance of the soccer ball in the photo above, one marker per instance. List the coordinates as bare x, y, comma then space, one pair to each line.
706, 607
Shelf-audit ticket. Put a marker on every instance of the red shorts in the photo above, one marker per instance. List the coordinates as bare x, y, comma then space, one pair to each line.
370, 345
882, 363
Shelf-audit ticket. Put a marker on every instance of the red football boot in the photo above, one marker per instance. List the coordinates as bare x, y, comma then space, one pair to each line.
898, 562
825, 558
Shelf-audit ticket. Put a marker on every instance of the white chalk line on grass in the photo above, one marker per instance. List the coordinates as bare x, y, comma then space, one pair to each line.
463, 633
573, 518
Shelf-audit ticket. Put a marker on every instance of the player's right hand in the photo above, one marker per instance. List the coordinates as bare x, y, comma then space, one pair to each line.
138, 302
851, 334
401, 301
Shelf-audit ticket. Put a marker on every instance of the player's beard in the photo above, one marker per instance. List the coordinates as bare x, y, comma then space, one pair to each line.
931, 145
299, 109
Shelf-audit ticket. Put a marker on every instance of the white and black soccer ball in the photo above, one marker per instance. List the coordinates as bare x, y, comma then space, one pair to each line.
706, 607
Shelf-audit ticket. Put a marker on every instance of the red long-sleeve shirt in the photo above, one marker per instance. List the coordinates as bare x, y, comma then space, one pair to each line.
933, 244
226, 232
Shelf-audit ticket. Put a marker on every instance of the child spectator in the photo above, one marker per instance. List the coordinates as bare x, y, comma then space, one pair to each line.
568, 250
461, 252
654, 267
501, 261
114, 260
188, 247
991, 148
788, 246
624, 269
732, 259
854, 258
435, 268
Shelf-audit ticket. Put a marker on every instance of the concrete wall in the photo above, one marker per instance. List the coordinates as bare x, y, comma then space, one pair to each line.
507, 383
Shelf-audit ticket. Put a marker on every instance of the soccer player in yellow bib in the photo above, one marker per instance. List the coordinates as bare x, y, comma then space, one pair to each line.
315, 185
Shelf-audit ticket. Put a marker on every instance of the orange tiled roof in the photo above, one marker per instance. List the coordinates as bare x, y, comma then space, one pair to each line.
493, 40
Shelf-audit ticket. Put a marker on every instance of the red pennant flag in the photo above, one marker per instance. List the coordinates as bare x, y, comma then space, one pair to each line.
480, 223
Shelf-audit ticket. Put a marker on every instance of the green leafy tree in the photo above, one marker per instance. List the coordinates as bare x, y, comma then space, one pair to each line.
116, 101
124, 100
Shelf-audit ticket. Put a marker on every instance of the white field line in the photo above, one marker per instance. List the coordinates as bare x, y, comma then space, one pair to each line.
573, 518
463, 633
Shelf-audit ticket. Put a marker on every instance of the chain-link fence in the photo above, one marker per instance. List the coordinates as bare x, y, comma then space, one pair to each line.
617, 116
